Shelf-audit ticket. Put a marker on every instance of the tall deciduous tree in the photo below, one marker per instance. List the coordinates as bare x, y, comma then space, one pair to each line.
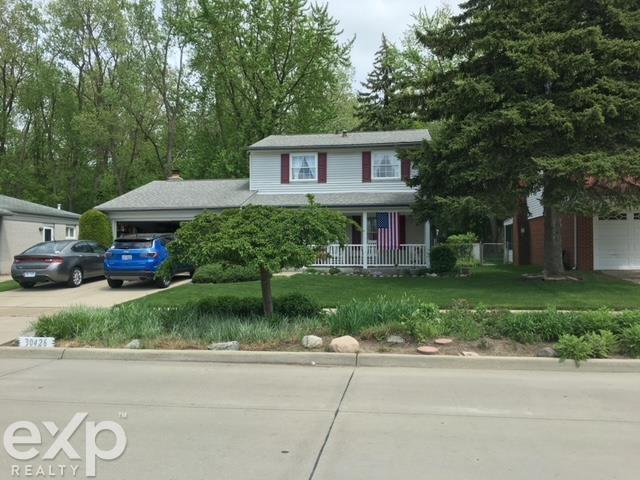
267, 239
545, 96
265, 67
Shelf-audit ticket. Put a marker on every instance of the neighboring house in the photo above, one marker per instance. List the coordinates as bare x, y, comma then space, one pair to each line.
358, 174
588, 243
23, 224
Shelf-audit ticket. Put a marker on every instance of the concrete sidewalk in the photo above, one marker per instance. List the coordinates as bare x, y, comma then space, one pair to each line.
203, 421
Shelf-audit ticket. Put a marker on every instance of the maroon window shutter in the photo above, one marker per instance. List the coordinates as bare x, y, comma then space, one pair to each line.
402, 229
366, 166
284, 168
405, 170
322, 168
356, 234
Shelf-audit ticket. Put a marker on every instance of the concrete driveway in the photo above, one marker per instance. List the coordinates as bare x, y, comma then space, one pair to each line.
19, 308
272, 422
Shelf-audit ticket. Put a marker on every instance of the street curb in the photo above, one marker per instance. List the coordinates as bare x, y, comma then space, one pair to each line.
39, 353
326, 359
496, 363
202, 356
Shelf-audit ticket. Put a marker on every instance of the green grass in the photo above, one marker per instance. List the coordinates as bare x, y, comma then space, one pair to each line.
115, 327
495, 287
8, 285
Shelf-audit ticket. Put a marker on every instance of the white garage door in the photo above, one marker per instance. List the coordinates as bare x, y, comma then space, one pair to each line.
617, 242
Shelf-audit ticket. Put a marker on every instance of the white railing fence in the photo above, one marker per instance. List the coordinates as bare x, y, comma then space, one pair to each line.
351, 255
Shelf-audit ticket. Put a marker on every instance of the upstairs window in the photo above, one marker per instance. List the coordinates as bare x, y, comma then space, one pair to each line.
385, 166
304, 167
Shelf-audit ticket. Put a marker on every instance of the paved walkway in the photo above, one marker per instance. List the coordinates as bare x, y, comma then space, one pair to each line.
629, 275
19, 307
202, 421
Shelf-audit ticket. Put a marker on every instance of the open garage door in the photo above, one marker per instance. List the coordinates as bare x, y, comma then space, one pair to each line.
617, 242
126, 228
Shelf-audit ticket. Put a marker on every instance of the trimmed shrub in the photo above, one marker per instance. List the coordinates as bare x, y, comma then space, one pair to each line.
219, 273
95, 225
291, 305
296, 305
443, 259
630, 341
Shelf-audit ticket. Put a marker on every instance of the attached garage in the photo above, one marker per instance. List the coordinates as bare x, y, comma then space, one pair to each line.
617, 242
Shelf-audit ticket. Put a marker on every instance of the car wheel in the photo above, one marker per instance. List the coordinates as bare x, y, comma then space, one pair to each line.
162, 282
75, 280
115, 283
27, 284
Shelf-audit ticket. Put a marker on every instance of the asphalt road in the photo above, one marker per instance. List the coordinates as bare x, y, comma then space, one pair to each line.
19, 307
216, 421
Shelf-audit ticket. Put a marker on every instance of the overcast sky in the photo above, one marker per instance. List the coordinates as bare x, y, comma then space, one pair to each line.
369, 19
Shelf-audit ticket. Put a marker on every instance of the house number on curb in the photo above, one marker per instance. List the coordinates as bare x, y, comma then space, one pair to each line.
36, 342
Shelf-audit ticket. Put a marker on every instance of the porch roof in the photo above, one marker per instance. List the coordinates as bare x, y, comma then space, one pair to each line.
350, 199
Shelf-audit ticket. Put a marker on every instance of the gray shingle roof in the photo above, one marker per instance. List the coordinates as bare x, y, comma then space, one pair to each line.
397, 138
220, 194
359, 199
189, 194
12, 205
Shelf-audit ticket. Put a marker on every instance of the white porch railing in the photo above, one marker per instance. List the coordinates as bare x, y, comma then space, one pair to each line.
350, 255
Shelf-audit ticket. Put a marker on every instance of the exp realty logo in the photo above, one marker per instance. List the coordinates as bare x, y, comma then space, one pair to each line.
21, 438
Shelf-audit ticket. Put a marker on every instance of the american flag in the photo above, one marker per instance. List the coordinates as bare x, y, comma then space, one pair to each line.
387, 225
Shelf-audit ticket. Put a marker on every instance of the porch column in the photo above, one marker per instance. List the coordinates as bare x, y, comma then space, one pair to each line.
427, 242
365, 240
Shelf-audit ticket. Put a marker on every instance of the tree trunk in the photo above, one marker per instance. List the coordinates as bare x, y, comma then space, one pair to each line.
553, 266
267, 299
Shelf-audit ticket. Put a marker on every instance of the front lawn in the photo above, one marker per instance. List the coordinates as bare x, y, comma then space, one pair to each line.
8, 285
495, 287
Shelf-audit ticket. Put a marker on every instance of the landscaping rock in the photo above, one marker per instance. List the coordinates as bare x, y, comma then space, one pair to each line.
234, 345
344, 344
134, 344
311, 341
397, 339
427, 350
547, 352
470, 354
443, 341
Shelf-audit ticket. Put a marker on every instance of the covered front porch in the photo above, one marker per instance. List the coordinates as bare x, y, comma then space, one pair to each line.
410, 245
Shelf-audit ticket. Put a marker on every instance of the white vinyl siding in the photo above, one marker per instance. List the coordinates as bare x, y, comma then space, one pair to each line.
534, 204
344, 174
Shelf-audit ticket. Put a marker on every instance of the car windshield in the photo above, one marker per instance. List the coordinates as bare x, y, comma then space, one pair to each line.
46, 248
132, 244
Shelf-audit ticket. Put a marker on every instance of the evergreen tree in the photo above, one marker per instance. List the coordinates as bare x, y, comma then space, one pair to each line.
379, 104
544, 95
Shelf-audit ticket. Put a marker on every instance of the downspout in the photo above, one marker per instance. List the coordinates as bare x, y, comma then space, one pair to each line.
575, 242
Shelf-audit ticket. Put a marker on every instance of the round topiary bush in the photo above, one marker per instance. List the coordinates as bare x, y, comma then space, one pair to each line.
95, 225
443, 259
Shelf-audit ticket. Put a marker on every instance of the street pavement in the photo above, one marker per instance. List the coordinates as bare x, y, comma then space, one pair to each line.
221, 421
19, 307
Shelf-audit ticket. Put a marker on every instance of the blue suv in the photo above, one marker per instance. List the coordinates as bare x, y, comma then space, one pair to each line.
138, 257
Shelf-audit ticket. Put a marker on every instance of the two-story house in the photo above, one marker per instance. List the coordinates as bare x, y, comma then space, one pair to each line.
359, 174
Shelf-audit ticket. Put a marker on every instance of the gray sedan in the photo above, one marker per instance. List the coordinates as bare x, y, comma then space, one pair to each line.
68, 261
